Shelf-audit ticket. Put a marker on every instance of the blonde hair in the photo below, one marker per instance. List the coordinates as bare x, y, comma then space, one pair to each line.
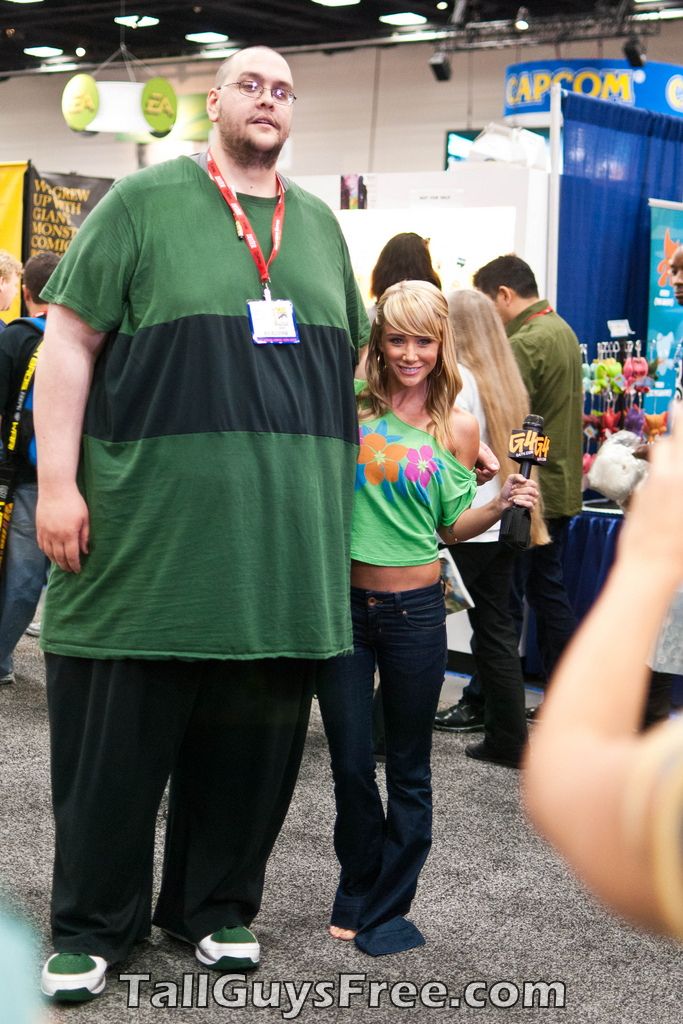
8, 265
417, 308
484, 348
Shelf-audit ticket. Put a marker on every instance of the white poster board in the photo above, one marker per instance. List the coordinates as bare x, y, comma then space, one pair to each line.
461, 239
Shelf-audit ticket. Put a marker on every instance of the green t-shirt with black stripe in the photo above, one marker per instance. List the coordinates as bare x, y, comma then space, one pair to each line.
218, 473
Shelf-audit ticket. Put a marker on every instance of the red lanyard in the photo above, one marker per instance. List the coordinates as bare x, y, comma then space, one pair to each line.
542, 312
244, 228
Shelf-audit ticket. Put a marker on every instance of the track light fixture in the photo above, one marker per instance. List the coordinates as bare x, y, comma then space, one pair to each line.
522, 19
634, 51
441, 66
459, 12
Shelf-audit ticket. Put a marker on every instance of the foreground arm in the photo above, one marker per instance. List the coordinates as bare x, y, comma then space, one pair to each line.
586, 759
63, 376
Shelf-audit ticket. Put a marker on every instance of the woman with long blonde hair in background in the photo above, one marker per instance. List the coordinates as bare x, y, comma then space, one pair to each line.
493, 391
414, 477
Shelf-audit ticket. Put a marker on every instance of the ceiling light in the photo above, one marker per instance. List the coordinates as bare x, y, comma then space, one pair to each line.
442, 6
441, 67
25, 1
136, 20
407, 18
218, 51
459, 12
43, 51
671, 12
80, 51
67, 66
634, 51
336, 3
522, 19
420, 37
206, 37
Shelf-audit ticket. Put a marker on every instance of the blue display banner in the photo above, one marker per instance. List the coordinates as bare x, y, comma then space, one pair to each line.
657, 87
665, 316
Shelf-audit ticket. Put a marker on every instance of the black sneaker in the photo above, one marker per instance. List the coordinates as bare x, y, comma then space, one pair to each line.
461, 717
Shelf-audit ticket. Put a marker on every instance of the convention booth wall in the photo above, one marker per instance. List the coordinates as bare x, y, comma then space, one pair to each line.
470, 214
616, 158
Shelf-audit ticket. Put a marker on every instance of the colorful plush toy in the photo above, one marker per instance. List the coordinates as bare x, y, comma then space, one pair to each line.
635, 368
591, 425
616, 471
655, 425
587, 375
634, 420
610, 423
608, 377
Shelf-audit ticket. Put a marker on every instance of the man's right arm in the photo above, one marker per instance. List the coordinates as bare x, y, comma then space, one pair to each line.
63, 376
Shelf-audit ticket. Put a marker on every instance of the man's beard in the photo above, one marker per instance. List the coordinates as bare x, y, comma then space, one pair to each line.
245, 154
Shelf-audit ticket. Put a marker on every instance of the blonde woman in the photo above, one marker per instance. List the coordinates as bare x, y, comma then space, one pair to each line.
414, 477
493, 391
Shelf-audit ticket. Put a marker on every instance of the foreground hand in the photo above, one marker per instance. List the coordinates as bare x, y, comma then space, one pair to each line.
63, 527
518, 491
486, 466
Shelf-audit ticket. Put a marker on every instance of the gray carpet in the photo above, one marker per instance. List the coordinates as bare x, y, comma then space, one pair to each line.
494, 903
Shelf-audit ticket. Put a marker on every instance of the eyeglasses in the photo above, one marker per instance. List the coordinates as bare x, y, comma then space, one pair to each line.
279, 93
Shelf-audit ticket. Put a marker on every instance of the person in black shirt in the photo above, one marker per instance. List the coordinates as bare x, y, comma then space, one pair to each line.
24, 565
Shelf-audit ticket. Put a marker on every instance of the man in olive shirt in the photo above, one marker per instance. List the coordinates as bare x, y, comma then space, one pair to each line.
549, 359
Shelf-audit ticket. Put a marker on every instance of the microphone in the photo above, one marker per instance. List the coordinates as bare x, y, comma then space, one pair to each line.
529, 446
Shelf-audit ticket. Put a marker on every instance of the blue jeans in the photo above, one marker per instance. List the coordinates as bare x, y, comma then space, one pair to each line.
22, 576
381, 856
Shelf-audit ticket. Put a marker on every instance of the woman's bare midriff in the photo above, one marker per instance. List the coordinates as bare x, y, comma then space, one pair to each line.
393, 577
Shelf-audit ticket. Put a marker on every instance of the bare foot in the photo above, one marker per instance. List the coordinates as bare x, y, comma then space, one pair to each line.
345, 934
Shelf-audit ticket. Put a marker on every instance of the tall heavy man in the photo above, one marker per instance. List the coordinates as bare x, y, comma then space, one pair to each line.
197, 437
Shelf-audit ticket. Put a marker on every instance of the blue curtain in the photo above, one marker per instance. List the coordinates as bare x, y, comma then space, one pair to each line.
615, 158
588, 556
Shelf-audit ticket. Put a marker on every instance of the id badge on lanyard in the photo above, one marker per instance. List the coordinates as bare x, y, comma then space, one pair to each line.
272, 321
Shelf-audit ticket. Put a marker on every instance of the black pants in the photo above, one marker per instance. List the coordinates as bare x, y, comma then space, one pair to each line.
486, 569
539, 577
229, 733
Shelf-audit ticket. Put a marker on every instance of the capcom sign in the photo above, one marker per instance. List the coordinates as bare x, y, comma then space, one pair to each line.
656, 87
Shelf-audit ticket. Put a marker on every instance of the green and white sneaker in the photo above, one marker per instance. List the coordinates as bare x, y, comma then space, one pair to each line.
229, 949
73, 977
